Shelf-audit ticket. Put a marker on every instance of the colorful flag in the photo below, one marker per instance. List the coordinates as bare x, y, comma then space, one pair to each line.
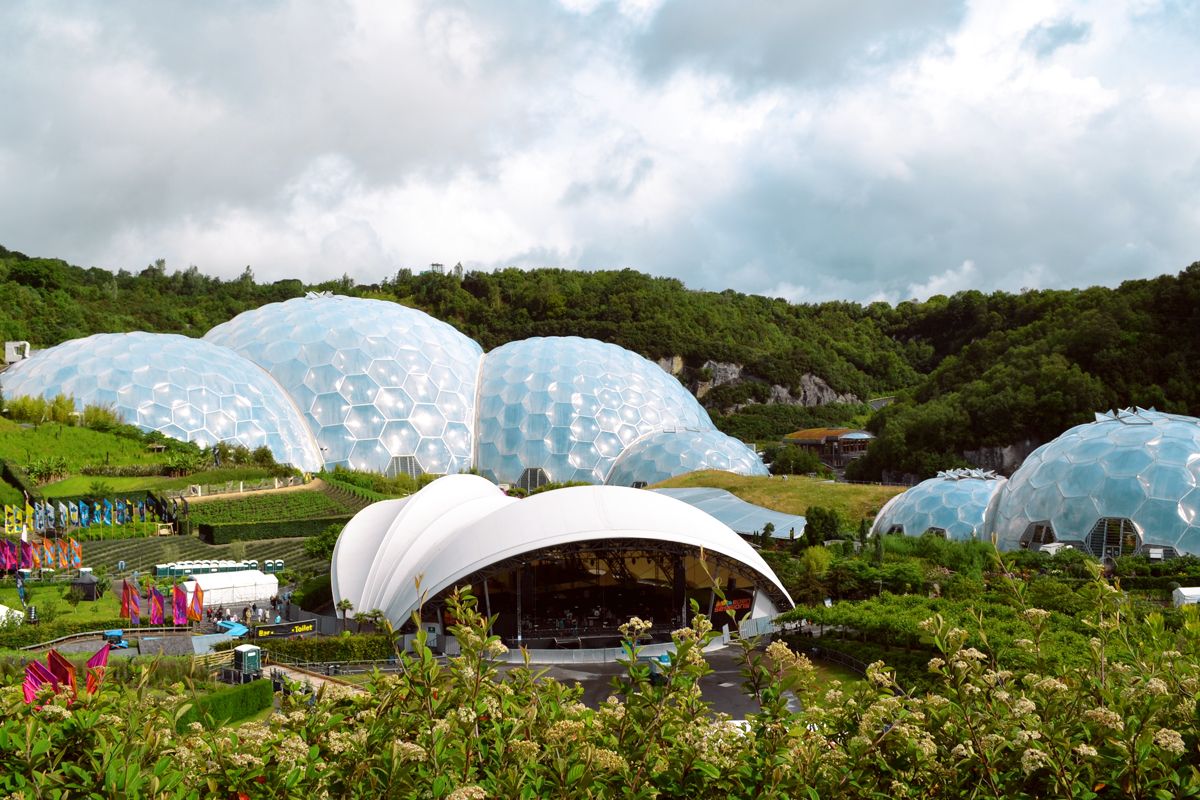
62, 670
9, 520
63, 561
156, 606
35, 555
48, 552
4, 554
125, 599
19, 520
26, 555
119, 513
135, 606
97, 513
196, 609
141, 510
108, 512
95, 668
76, 552
29, 520
64, 515
36, 676
179, 604
74, 509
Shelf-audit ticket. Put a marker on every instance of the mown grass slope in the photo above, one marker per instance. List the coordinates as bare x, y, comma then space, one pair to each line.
794, 495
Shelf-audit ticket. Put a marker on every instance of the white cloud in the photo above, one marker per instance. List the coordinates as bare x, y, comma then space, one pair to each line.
1032, 145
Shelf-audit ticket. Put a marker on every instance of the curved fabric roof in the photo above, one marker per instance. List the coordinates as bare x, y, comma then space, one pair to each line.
736, 513
460, 524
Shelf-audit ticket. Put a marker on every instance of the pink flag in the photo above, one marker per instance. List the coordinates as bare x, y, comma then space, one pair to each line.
95, 668
156, 606
63, 670
37, 676
179, 604
5, 555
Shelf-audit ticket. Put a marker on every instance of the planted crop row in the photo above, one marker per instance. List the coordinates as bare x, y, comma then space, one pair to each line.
269, 508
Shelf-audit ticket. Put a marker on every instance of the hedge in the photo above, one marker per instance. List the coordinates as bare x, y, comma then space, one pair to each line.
249, 531
229, 704
357, 647
355, 489
13, 474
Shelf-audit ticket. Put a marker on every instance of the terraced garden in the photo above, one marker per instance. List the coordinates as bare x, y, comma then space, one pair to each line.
320, 501
142, 554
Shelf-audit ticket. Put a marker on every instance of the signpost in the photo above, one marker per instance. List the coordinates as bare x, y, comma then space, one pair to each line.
286, 630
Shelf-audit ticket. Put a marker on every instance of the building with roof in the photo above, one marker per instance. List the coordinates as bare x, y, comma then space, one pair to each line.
558, 569
836, 447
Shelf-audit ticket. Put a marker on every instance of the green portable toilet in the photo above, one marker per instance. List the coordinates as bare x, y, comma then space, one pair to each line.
247, 658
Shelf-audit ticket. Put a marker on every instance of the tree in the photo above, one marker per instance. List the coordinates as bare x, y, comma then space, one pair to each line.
345, 606
878, 548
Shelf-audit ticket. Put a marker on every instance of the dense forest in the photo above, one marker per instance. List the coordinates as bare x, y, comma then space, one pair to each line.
969, 371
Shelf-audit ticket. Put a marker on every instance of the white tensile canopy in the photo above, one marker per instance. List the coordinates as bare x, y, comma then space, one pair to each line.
460, 524
1185, 595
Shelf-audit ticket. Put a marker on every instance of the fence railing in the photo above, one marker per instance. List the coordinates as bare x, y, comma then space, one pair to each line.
214, 660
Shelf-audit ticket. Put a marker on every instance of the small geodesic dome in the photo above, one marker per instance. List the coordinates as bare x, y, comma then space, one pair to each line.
669, 453
954, 504
1125, 483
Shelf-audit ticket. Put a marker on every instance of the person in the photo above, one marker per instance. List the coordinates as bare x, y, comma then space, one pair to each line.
277, 620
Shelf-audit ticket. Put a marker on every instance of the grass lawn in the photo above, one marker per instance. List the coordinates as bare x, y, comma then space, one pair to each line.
10, 495
794, 495
79, 446
48, 597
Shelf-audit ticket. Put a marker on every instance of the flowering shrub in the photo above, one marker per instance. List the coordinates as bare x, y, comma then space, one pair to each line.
1122, 725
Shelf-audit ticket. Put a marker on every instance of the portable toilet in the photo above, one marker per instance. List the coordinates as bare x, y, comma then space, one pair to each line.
247, 658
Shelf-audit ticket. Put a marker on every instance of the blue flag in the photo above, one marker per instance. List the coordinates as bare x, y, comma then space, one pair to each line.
85, 517
141, 510
108, 512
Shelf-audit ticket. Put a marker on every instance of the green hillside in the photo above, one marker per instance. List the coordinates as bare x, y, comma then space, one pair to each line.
968, 371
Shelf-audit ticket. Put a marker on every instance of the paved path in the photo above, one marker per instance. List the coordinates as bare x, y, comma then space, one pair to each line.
313, 678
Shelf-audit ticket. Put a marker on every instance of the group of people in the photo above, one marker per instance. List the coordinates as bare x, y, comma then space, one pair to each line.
252, 614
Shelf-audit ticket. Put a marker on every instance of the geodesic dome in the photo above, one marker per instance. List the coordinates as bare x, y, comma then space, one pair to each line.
569, 407
384, 387
953, 504
669, 453
1124, 482
187, 389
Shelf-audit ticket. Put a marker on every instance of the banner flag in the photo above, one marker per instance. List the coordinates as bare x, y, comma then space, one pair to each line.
48, 553
62, 670
95, 668
196, 609
37, 675
8, 519
125, 599
64, 516
3, 553
29, 520
141, 510
135, 607
74, 509
156, 606
97, 513
64, 560
19, 520
49, 514
179, 604
35, 555
26, 555
108, 512
76, 552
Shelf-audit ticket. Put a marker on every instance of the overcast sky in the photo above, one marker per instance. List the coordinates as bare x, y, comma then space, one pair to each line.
866, 150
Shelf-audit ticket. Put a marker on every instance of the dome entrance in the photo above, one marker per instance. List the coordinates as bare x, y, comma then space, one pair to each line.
1038, 534
1113, 537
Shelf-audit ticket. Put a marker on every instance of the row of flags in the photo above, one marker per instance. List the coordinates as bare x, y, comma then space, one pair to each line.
39, 516
181, 610
48, 553
60, 673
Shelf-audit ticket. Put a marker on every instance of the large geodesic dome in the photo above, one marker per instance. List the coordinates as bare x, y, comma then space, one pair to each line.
663, 455
385, 388
954, 504
569, 407
187, 389
1125, 483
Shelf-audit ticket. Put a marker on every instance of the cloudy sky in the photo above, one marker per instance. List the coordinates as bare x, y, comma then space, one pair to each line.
866, 150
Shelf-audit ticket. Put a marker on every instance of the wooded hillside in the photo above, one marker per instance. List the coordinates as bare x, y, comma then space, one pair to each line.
969, 371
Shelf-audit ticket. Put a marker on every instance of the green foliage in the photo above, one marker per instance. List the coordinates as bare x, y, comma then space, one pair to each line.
769, 422
286, 529
314, 593
821, 524
786, 459
370, 485
321, 545
314, 649
225, 705
294, 505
